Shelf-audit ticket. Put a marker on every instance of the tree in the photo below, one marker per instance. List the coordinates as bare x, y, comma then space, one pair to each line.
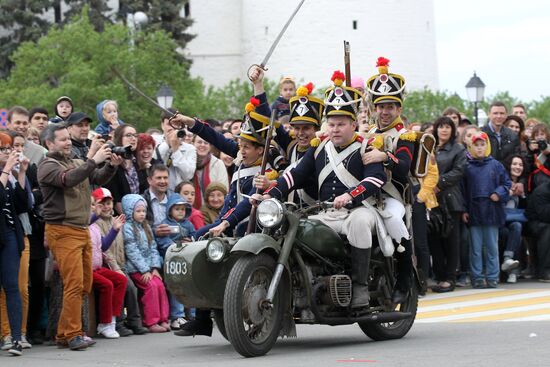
426, 105
162, 15
21, 21
76, 61
540, 109
97, 12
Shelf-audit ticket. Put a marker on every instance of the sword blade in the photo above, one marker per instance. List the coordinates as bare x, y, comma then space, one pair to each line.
138, 91
276, 42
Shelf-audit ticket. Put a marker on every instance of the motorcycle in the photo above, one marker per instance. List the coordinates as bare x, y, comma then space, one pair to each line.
295, 271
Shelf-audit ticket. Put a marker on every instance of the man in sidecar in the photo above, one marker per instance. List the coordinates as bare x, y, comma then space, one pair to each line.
343, 179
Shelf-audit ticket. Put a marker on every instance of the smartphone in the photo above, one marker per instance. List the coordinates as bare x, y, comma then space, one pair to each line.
175, 229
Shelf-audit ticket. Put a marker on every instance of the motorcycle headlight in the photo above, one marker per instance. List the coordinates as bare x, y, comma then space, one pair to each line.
215, 250
270, 213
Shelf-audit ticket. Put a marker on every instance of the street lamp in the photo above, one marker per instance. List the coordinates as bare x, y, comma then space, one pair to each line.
135, 21
165, 97
475, 89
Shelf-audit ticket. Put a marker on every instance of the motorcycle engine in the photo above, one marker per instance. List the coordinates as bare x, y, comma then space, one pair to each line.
338, 290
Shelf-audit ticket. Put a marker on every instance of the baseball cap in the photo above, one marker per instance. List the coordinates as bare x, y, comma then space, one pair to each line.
77, 117
102, 194
480, 136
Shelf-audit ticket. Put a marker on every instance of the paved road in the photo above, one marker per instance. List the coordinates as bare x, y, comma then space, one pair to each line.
463, 328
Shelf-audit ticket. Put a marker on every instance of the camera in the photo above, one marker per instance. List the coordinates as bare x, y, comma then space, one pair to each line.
105, 137
124, 152
542, 144
174, 229
181, 134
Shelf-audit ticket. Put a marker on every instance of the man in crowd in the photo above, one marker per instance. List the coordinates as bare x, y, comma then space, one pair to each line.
39, 118
78, 125
179, 157
520, 111
504, 142
65, 185
18, 121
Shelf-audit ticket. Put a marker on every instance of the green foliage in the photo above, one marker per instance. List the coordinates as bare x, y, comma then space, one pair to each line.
540, 109
426, 105
21, 21
76, 61
97, 12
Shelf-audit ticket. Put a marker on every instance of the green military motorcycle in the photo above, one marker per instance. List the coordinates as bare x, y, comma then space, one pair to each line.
294, 272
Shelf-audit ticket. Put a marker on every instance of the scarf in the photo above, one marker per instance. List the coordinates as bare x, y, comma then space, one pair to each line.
201, 179
132, 177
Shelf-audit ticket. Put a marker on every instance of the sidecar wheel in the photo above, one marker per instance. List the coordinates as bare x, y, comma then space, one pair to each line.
394, 330
220, 323
251, 329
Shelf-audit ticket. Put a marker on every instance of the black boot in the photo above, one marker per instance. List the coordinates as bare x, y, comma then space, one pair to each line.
202, 325
404, 268
360, 261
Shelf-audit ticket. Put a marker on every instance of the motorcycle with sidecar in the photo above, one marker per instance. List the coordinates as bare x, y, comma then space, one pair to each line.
295, 271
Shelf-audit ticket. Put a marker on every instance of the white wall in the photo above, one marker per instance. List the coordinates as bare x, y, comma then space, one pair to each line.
312, 48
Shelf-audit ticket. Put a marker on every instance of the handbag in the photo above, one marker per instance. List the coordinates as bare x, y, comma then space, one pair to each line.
440, 222
515, 215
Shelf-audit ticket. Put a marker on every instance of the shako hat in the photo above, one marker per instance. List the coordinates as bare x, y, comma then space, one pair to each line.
305, 108
341, 100
385, 87
255, 125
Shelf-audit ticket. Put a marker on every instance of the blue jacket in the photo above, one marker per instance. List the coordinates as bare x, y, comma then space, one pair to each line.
186, 227
482, 178
103, 126
141, 255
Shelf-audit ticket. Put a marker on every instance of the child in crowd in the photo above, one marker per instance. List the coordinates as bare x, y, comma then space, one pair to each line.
107, 115
287, 89
143, 263
486, 189
214, 198
187, 190
33, 134
177, 212
63, 109
111, 285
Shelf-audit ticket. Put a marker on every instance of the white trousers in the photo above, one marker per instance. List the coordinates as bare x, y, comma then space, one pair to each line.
358, 225
393, 214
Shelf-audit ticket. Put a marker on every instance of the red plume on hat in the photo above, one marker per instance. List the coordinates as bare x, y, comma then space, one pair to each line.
382, 64
251, 106
338, 78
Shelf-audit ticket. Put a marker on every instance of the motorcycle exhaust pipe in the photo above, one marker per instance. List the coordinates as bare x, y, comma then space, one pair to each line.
379, 317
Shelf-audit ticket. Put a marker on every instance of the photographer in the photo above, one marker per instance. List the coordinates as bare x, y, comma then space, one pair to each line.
178, 156
126, 179
537, 158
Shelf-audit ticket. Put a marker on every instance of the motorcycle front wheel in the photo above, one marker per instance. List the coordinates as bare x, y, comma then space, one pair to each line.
252, 329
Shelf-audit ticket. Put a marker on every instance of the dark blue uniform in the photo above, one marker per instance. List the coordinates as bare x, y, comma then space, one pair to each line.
371, 177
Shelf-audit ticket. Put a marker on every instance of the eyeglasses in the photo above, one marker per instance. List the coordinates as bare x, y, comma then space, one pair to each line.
7, 150
129, 135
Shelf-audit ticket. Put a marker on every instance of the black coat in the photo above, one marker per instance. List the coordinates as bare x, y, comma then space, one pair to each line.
538, 204
119, 185
451, 162
508, 145
19, 202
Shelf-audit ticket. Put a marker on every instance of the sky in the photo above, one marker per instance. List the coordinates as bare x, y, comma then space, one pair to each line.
507, 43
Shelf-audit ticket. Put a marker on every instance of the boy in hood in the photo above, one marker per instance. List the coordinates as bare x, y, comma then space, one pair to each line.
177, 214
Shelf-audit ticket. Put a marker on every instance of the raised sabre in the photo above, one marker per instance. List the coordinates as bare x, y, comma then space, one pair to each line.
145, 96
275, 43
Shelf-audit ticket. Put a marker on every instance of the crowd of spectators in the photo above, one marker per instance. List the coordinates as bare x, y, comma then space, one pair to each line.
87, 210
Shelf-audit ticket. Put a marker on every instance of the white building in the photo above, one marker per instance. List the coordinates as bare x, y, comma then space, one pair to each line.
233, 34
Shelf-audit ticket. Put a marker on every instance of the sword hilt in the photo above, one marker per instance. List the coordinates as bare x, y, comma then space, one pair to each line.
251, 67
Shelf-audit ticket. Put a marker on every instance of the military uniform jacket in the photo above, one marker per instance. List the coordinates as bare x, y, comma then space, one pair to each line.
371, 177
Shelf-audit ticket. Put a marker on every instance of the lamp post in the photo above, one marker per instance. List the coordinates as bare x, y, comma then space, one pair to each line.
475, 88
135, 21
165, 96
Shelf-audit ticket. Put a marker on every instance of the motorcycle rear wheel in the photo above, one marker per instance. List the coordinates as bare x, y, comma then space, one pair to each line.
252, 330
394, 330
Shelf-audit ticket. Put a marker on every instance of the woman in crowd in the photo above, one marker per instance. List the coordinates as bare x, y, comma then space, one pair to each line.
126, 180
538, 162
144, 156
516, 124
13, 199
209, 169
451, 161
214, 198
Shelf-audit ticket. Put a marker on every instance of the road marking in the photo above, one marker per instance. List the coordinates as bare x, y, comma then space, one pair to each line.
485, 305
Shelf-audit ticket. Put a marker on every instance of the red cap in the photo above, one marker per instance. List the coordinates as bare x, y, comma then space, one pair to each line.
481, 136
102, 194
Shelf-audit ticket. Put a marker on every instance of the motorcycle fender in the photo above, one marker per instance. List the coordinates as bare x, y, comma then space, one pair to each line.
256, 243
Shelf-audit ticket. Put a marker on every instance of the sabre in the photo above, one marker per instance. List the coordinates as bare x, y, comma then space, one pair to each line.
147, 98
275, 43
